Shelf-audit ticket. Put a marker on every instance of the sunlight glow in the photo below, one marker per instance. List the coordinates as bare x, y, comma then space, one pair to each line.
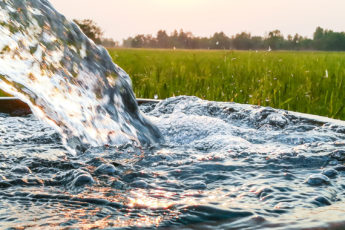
205, 17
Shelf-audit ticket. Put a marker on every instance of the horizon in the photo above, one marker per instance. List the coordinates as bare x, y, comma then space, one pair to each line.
203, 18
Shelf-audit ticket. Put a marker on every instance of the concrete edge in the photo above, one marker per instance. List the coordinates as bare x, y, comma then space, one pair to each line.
15, 107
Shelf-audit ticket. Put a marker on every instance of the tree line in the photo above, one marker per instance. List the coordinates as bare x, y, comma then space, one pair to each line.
323, 39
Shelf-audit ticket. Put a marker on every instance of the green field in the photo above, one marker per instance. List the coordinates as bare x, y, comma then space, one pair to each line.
308, 82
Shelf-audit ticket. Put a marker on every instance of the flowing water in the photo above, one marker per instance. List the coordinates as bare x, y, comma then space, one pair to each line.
67, 80
223, 165
90, 159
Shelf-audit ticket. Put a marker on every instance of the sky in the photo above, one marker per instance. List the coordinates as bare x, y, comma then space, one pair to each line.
120, 19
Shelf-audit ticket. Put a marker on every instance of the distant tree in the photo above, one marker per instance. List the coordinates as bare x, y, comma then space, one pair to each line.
162, 39
242, 41
318, 37
138, 41
333, 40
220, 41
257, 42
109, 42
127, 42
90, 29
322, 40
298, 41
328, 40
318, 34
306, 44
185, 40
150, 41
293, 42
203, 43
275, 39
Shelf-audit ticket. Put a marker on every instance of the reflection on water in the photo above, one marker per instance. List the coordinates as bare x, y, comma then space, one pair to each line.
222, 166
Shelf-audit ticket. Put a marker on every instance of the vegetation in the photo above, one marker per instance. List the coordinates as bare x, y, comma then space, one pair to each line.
94, 32
309, 82
326, 40
322, 40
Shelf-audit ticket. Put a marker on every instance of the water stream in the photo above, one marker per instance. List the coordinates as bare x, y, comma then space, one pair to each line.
89, 158
67, 80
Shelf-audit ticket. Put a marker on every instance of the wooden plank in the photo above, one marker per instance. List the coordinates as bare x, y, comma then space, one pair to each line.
143, 101
14, 106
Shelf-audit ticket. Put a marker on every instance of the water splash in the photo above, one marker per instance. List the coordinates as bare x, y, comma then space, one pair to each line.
222, 166
66, 79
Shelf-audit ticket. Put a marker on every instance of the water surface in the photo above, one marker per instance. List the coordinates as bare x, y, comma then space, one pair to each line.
223, 165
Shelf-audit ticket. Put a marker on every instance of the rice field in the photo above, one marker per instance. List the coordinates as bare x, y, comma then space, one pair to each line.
308, 82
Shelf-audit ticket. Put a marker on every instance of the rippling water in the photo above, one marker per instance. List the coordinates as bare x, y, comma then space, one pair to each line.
223, 165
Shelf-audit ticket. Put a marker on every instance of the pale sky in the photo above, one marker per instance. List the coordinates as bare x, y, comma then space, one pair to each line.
122, 18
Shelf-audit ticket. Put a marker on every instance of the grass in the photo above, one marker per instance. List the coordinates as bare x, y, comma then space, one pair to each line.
308, 82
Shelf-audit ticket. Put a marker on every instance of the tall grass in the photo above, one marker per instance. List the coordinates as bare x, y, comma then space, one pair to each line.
309, 82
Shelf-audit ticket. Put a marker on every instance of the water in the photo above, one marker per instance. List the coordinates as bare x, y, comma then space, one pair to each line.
223, 165
90, 159
67, 80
